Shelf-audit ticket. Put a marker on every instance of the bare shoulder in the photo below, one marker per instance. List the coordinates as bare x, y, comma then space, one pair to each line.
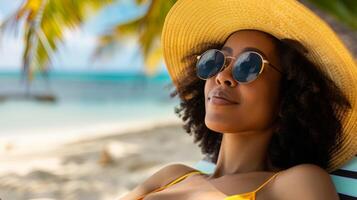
160, 178
305, 181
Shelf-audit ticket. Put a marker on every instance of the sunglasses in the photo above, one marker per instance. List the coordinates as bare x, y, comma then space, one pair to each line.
247, 67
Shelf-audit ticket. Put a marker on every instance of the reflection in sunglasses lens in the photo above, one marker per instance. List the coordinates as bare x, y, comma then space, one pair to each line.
210, 63
247, 67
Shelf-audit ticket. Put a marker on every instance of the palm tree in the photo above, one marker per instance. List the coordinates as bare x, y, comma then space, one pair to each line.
44, 24
45, 21
148, 30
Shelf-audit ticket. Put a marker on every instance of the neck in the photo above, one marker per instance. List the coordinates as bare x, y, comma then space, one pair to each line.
243, 153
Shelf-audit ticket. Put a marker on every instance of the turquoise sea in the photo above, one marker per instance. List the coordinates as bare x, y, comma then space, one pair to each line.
83, 101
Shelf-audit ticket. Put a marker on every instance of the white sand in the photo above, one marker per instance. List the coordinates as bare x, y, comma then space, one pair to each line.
78, 168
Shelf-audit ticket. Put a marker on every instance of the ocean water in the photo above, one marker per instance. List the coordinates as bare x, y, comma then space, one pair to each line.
84, 102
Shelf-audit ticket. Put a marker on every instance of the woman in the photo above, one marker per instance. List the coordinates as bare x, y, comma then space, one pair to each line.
268, 91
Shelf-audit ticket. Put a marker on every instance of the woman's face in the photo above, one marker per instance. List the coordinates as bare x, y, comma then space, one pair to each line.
257, 102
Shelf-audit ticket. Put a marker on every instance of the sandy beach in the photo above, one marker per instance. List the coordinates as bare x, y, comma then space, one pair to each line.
101, 166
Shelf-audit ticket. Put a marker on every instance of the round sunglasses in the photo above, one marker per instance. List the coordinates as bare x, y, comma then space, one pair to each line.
247, 67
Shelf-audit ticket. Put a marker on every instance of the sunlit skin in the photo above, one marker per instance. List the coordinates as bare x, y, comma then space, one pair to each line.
247, 127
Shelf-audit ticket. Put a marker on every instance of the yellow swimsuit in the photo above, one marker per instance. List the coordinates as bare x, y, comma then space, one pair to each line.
244, 196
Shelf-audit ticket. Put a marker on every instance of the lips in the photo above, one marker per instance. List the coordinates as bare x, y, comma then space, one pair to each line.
221, 97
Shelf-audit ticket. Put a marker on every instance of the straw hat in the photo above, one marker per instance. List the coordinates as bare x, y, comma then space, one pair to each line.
190, 23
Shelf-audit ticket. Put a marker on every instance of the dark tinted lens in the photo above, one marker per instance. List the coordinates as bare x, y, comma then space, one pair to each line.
210, 63
247, 67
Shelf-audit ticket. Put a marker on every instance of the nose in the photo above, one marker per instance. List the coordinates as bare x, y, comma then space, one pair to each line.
225, 77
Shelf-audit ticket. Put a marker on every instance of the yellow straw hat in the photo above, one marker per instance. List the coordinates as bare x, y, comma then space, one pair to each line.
190, 23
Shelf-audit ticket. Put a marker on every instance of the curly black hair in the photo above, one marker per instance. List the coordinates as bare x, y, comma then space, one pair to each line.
309, 126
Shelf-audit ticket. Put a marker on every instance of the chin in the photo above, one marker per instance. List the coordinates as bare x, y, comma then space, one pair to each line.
221, 127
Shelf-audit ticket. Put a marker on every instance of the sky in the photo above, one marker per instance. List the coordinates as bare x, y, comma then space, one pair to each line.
75, 53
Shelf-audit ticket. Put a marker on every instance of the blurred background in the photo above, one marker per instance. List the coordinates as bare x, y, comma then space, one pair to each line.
85, 107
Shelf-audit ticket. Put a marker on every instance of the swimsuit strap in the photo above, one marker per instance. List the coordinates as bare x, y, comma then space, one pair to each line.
177, 180
171, 183
182, 177
266, 182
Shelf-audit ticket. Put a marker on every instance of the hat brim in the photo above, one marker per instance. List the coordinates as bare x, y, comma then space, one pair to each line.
192, 23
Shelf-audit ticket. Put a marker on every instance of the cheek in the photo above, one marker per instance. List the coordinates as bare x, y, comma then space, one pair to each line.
260, 105
209, 85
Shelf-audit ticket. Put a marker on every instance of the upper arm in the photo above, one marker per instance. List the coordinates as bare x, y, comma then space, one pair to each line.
160, 178
306, 181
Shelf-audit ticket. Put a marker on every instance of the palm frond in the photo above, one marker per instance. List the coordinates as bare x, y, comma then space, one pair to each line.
148, 30
344, 10
44, 24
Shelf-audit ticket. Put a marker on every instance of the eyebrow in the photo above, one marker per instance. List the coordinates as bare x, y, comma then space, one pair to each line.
230, 50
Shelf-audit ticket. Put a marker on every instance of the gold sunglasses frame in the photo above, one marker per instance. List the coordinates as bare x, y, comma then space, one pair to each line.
264, 61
